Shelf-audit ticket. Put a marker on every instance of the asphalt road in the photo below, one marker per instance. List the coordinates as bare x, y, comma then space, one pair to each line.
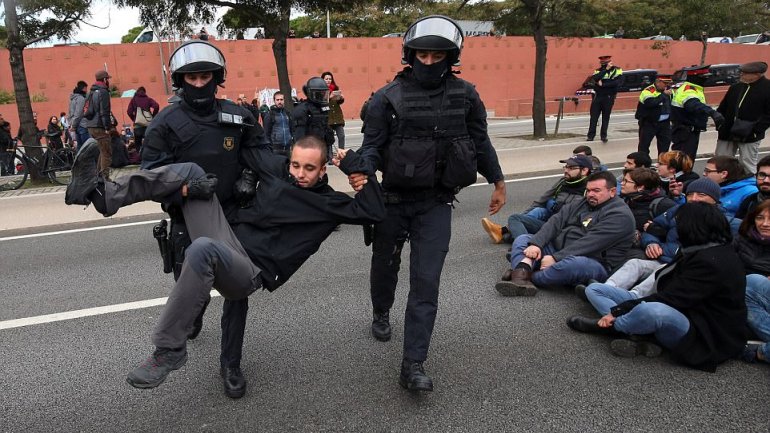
499, 364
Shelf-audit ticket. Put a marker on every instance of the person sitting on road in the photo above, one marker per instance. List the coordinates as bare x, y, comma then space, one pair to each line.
634, 160
587, 151
675, 170
569, 188
735, 182
753, 247
584, 240
763, 189
698, 310
640, 189
269, 241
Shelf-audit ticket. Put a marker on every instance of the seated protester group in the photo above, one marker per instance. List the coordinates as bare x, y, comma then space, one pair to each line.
640, 189
585, 240
753, 247
293, 212
568, 189
735, 182
763, 189
675, 170
697, 310
660, 243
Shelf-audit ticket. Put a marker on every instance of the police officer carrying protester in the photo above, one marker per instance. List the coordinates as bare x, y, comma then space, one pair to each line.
654, 114
210, 132
427, 132
606, 81
689, 115
311, 116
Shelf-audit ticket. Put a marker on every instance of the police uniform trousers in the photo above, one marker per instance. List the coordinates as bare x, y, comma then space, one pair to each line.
427, 225
660, 130
601, 104
685, 138
215, 259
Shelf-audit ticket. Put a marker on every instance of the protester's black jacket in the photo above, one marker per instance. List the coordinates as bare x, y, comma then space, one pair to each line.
286, 224
755, 107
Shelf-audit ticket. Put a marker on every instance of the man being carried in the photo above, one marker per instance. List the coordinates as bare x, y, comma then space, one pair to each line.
270, 240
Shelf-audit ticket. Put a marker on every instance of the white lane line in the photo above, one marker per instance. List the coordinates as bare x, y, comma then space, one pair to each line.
42, 194
77, 314
87, 229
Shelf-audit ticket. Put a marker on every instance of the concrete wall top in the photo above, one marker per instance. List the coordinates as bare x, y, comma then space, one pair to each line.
501, 68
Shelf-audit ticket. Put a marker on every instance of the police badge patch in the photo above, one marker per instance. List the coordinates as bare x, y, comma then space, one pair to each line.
229, 143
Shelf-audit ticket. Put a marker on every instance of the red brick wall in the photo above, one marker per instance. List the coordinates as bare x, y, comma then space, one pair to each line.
501, 68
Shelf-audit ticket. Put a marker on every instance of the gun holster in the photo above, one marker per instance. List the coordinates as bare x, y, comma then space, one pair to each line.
160, 232
368, 234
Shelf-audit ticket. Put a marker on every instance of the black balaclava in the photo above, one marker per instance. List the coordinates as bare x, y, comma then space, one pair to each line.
430, 76
200, 98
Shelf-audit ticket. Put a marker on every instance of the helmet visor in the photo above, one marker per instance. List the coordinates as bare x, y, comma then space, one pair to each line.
196, 57
423, 34
319, 96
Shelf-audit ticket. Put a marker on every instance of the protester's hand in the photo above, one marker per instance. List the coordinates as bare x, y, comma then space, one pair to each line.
606, 321
653, 251
357, 181
547, 262
647, 224
498, 197
599, 83
675, 188
341, 153
719, 119
532, 252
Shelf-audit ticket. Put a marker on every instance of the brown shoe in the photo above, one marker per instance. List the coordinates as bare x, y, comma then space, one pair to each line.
520, 284
495, 231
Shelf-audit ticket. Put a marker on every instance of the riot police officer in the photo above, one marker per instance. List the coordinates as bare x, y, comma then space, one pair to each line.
427, 132
311, 116
208, 131
689, 115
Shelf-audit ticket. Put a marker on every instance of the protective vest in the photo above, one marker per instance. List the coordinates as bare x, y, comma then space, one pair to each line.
652, 114
314, 120
213, 144
431, 147
687, 91
684, 93
612, 74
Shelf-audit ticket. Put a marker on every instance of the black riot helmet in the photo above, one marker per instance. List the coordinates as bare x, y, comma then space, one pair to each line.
196, 56
316, 91
434, 33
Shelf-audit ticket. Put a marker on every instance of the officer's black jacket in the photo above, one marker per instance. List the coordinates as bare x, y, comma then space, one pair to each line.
382, 123
311, 119
180, 134
286, 224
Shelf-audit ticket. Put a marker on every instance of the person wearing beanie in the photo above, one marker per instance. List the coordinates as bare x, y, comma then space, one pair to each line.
746, 108
98, 119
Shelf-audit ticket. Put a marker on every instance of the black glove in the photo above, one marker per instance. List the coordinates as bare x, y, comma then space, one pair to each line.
245, 187
719, 119
203, 187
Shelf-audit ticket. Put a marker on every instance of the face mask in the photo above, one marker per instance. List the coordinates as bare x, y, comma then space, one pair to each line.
430, 76
200, 98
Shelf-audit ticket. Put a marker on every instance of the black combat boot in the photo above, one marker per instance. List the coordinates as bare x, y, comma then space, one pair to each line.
381, 325
233, 381
413, 376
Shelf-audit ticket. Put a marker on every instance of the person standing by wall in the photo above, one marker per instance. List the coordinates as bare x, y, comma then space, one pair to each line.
407, 139
607, 79
98, 120
278, 126
746, 108
75, 114
336, 118
141, 110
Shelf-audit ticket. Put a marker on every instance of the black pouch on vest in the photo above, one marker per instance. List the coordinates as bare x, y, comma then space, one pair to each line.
411, 164
742, 129
460, 168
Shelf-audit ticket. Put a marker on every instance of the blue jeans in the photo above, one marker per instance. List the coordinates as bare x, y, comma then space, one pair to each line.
81, 134
568, 271
527, 223
667, 323
758, 306
604, 296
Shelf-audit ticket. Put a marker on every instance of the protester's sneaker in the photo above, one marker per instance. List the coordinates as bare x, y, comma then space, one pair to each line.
154, 370
750, 352
630, 348
84, 174
495, 231
413, 376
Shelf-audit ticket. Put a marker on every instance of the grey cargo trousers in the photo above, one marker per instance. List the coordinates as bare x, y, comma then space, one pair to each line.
215, 259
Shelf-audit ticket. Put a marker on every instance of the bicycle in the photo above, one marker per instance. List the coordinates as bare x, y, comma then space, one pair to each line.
55, 164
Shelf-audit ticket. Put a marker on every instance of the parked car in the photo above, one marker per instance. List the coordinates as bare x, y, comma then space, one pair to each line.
634, 80
657, 38
723, 74
756, 38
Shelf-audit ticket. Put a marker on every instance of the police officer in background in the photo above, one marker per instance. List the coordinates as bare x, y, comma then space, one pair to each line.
606, 81
311, 116
427, 132
210, 132
654, 114
689, 115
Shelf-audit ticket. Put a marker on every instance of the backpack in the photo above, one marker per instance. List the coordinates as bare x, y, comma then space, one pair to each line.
89, 111
654, 204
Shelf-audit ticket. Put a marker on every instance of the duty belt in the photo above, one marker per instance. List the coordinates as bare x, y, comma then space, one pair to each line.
412, 196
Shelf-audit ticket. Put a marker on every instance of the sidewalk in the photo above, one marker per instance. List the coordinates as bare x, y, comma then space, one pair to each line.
33, 208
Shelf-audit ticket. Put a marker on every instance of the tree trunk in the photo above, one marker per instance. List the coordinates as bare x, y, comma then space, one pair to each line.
23, 104
538, 97
279, 52
703, 52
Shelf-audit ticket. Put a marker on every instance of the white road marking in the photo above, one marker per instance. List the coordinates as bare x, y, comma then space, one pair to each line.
87, 229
